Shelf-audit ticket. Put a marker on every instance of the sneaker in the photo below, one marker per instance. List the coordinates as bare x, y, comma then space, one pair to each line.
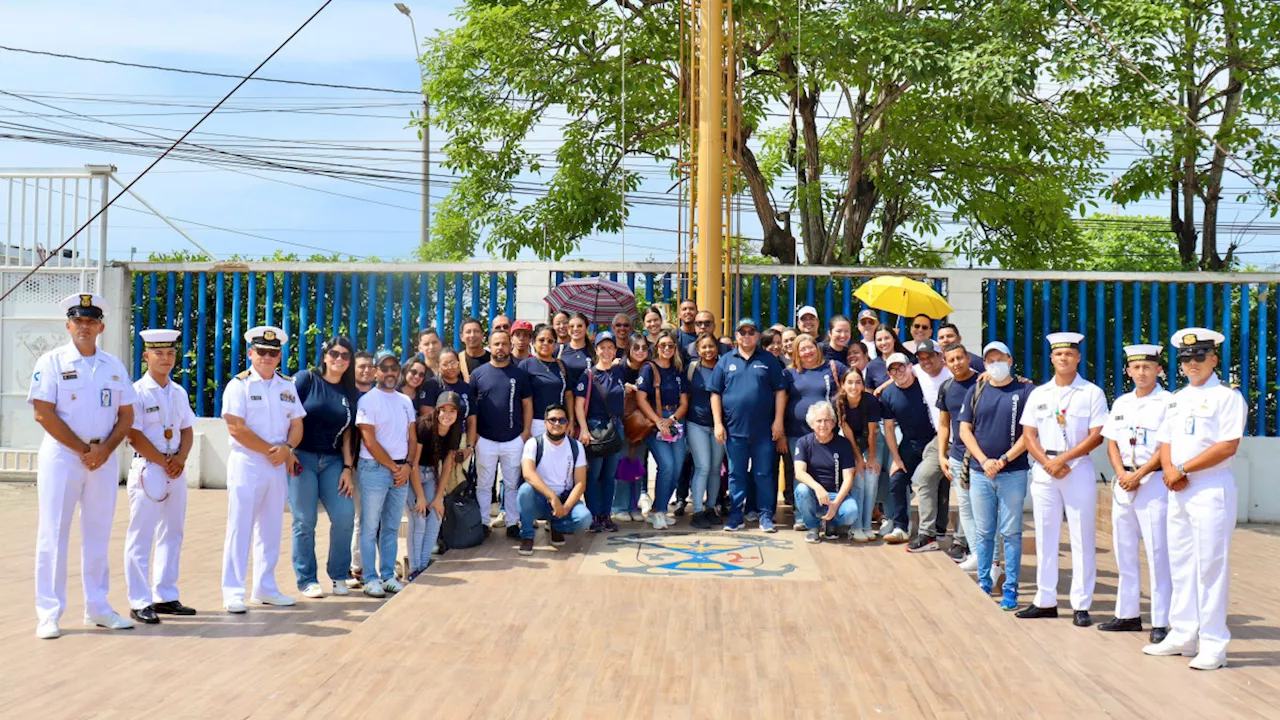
714, 519
654, 519
610, 525
766, 525
859, 536
236, 607
985, 588
356, 578
646, 505
897, 537
830, 532
813, 536
312, 590
970, 564
374, 589
731, 526
799, 526
413, 576
996, 572
557, 537
513, 531
1009, 600
1205, 661
111, 621
680, 508
1167, 648
48, 630
923, 543
392, 586
752, 517
700, 521
526, 546
886, 527
623, 516
278, 600
958, 551
340, 588
500, 520
597, 525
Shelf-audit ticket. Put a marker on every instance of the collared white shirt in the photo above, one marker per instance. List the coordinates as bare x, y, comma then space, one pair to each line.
1199, 417
87, 392
1082, 406
930, 385
1134, 423
391, 415
161, 408
267, 406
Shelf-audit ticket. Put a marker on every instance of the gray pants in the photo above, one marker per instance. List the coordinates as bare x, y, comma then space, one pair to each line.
933, 493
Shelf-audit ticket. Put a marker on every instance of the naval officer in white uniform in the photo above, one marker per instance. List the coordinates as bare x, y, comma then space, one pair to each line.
84, 401
264, 419
162, 436
1200, 435
1062, 423
1139, 499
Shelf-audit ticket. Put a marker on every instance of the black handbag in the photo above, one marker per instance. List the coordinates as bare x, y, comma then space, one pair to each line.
605, 438
462, 526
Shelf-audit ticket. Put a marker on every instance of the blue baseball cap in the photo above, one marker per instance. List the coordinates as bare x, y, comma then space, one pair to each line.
605, 335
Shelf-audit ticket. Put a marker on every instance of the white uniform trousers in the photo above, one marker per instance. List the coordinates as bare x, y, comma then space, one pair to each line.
355, 527
256, 494
158, 522
1077, 496
489, 456
62, 481
1143, 517
1201, 520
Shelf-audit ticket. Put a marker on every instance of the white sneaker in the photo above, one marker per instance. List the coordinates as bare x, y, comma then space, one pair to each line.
373, 588
1205, 661
623, 516
654, 520
799, 526
500, 521
860, 536
278, 600
970, 563
236, 607
313, 590
340, 588
48, 630
110, 621
645, 503
353, 582
1168, 648
996, 571
886, 527
392, 586
897, 537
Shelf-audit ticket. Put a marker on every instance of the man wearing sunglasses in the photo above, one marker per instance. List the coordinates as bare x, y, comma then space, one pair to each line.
1200, 435
264, 419
921, 329
554, 466
748, 399
704, 322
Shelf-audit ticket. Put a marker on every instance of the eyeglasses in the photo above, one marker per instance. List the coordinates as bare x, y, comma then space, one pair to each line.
897, 369
556, 421
268, 353
339, 354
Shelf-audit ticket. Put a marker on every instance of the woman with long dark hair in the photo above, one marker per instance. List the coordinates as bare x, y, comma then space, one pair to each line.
326, 457
652, 322
439, 437
560, 323
450, 379
858, 413
887, 343
579, 353
599, 400
631, 494
413, 383
664, 398
707, 454
549, 376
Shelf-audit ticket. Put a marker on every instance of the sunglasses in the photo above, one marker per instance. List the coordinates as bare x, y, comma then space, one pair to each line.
703, 323
339, 354
545, 340
556, 421
275, 353
746, 331
416, 373
623, 325
388, 368
1198, 356
921, 327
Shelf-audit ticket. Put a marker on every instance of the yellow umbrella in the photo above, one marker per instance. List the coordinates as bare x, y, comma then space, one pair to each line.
902, 296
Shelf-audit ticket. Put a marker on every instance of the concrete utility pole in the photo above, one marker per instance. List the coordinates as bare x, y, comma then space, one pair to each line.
425, 235
710, 239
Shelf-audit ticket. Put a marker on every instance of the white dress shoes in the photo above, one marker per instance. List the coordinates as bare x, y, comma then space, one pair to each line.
111, 621
236, 607
277, 600
48, 630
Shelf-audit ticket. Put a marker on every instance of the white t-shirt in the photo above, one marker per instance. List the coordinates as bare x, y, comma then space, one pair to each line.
390, 414
929, 385
555, 468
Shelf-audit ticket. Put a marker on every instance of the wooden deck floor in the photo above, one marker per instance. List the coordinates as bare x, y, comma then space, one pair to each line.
489, 634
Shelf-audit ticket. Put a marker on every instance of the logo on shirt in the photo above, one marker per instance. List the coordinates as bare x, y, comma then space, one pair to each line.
733, 366
36, 377
511, 404
288, 397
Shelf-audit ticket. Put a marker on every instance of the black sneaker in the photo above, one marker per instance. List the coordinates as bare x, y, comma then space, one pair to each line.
715, 519
958, 551
700, 521
557, 537
922, 543
830, 532
526, 546
513, 532
680, 508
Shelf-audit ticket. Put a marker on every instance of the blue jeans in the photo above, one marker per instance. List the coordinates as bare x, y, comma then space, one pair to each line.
318, 483
535, 506
707, 456
865, 486
811, 512
670, 458
899, 506
966, 530
423, 530
381, 505
1005, 495
750, 465
602, 478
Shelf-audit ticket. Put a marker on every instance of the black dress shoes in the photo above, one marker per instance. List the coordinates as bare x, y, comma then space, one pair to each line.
145, 615
1122, 625
1082, 619
1158, 634
1032, 612
173, 607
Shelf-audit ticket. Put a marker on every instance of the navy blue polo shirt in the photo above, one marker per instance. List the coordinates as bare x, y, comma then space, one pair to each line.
673, 385
976, 363
700, 397
691, 349
908, 410
499, 392
875, 375
996, 424
432, 388
826, 463
330, 412
804, 389
746, 389
549, 384
858, 418
950, 401
609, 392
830, 353
575, 361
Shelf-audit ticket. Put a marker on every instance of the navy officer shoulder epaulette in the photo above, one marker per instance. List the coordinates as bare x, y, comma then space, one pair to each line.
242, 375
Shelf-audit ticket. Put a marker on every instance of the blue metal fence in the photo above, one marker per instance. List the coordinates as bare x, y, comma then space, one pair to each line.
1113, 314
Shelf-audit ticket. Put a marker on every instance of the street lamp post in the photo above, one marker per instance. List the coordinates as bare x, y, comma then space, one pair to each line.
426, 132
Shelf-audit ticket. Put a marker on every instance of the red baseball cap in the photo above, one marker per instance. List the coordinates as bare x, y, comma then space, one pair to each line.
524, 325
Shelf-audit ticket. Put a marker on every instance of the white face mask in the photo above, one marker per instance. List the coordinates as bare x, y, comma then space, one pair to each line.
998, 371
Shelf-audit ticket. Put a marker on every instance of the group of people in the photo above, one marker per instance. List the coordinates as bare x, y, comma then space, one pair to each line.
847, 422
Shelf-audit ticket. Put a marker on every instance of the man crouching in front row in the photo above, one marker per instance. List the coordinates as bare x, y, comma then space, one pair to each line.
555, 477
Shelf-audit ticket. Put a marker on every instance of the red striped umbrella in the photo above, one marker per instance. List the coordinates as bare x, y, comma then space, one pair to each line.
597, 298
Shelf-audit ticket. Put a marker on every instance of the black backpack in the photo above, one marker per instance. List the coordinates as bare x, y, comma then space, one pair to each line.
462, 526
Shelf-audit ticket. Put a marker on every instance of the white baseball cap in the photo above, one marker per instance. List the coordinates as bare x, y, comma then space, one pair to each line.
896, 358
806, 310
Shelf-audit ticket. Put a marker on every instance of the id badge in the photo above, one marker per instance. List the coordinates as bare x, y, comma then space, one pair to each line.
106, 398
1189, 427
1141, 436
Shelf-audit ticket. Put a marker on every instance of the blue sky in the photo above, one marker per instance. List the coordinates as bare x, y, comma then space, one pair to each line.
354, 42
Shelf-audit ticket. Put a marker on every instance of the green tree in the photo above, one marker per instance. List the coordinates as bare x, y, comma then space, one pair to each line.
936, 106
1128, 243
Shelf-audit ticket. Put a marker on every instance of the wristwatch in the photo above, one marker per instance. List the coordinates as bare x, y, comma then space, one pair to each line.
1181, 470
1004, 458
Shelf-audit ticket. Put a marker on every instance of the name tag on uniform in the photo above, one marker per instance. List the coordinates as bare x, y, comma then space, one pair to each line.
106, 398
153, 409
69, 375
255, 397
